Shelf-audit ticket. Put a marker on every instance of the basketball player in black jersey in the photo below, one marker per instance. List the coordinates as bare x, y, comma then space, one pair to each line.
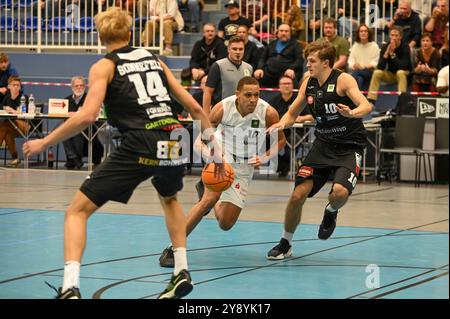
134, 86
337, 105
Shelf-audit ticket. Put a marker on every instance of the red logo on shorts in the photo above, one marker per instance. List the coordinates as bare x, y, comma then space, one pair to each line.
310, 99
237, 186
305, 171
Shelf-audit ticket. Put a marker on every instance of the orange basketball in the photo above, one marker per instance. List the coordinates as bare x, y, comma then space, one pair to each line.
215, 184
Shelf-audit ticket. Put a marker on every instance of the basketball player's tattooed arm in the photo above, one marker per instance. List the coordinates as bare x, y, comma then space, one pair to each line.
347, 85
100, 75
294, 110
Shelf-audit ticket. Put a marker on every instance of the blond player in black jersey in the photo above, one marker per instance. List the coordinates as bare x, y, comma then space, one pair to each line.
134, 86
337, 105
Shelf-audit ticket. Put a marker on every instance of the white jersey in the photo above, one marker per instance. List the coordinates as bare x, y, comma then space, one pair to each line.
242, 137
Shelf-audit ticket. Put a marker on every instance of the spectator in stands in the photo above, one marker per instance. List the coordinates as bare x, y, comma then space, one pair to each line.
426, 65
317, 11
251, 53
193, 9
409, 20
294, 18
444, 51
257, 12
364, 56
436, 24
394, 64
341, 44
206, 51
442, 82
284, 56
92, 7
167, 11
225, 74
348, 17
228, 26
75, 146
384, 10
281, 102
422, 7
11, 104
6, 70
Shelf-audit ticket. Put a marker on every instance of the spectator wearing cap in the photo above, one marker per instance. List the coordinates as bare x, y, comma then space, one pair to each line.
6, 70
284, 56
228, 26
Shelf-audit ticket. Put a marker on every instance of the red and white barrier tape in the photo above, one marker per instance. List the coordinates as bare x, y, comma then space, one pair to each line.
262, 89
46, 83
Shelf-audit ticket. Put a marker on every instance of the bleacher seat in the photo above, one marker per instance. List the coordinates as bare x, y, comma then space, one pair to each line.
31, 24
5, 4
86, 24
57, 23
25, 3
8, 23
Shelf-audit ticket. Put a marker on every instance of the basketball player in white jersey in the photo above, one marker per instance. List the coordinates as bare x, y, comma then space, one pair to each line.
241, 121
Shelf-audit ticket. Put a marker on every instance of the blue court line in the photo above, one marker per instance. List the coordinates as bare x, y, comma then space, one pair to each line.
17, 212
303, 256
369, 237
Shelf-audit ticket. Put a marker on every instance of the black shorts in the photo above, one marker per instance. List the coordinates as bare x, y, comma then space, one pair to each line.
131, 164
324, 159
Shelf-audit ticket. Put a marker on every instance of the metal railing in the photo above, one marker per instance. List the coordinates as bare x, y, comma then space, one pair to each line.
69, 24
65, 24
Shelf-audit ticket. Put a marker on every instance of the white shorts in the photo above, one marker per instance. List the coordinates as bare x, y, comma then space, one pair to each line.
237, 193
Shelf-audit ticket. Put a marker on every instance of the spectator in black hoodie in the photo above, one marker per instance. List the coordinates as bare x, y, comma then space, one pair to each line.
409, 21
206, 51
283, 56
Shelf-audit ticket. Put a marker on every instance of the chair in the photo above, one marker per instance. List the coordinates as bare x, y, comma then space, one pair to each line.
31, 24
440, 145
8, 23
86, 25
408, 139
57, 23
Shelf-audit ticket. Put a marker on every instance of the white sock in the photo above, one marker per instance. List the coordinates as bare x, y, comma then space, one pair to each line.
179, 255
71, 275
288, 236
330, 209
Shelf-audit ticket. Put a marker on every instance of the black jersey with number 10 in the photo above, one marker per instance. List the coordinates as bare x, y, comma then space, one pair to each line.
137, 98
332, 127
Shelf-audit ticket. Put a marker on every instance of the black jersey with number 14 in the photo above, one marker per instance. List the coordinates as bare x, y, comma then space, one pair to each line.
331, 126
137, 97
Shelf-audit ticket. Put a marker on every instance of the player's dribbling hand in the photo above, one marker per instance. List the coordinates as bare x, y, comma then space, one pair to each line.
33, 147
344, 110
